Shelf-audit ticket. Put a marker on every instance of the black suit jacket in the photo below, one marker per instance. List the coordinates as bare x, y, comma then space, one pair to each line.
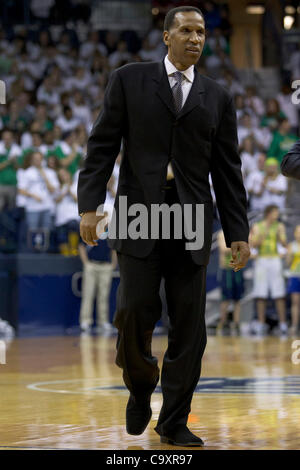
202, 138
290, 165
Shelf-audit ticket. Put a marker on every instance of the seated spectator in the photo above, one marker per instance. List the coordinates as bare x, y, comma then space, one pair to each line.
268, 272
56, 76
240, 107
80, 109
148, 53
67, 122
120, 56
81, 80
53, 163
274, 185
68, 152
65, 44
284, 99
247, 128
248, 157
29, 69
57, 136
27, 111
36, 145
9, 153
99, 65
253, 185
93, 44
24, 162
217, 62
230, 82
47, 93
283, 140
269, 187
293, 261
216, 39
273, 115
37, 49
253, 101
13, 119
39, 186
67, 218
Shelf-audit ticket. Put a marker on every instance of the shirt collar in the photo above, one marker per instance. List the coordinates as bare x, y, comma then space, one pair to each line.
170, 68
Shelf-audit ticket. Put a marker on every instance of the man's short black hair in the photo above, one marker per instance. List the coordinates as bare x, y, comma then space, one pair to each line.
169, 18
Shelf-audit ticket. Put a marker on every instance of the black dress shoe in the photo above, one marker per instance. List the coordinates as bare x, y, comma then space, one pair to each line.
138, 414
183, 437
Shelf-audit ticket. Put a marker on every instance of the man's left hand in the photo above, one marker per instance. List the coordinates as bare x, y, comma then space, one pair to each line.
240, 253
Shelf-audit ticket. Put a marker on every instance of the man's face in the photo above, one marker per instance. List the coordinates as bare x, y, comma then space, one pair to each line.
271, 170
37, 159
186, 38
7, 138
274, 215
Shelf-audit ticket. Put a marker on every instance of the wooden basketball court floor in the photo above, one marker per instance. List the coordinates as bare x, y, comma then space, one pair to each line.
66, 393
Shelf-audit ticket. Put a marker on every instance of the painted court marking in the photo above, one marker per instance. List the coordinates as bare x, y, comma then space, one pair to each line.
289, 385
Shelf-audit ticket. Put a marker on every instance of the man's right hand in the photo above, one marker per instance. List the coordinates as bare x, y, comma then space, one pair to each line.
88, 227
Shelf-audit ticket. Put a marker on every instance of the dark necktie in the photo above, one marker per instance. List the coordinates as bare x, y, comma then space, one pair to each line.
177, 91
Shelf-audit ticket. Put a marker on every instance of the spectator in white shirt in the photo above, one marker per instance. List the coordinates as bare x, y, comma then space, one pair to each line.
147, 53
9, 152
284, 99
88, 48
253, 184
120, 56
47, 93
247, 128
67, 122
248, 156
229, 82
79, 108
253, 101
39, 186
81, 81
67, 218
271, 187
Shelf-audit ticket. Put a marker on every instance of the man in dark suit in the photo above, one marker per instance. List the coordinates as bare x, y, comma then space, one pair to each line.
290, 165
177, 127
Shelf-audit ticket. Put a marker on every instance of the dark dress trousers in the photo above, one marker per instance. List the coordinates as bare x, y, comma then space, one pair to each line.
290, 165
201, 139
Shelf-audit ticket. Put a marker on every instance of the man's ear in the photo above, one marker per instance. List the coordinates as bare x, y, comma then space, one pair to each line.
166, 37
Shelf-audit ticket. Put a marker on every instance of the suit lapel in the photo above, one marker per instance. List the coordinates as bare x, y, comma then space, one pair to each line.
165, 93
164, 90
193, 97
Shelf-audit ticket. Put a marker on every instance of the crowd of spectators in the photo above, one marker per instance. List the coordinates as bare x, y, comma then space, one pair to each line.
55, 88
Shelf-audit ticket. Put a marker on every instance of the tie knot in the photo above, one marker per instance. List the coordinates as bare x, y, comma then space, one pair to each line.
178, 76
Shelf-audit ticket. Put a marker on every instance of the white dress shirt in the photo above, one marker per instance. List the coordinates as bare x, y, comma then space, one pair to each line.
188, 78
186, 85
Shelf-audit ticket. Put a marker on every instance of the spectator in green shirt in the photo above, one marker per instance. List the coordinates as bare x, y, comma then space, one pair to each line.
9, 152
273, 115
282, 141
68, 152
13, 120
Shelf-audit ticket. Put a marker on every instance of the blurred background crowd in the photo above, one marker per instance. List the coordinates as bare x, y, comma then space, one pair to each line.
56, 58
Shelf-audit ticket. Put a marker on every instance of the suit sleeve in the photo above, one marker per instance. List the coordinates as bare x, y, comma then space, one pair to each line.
103, 147
227, 179
290, 165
